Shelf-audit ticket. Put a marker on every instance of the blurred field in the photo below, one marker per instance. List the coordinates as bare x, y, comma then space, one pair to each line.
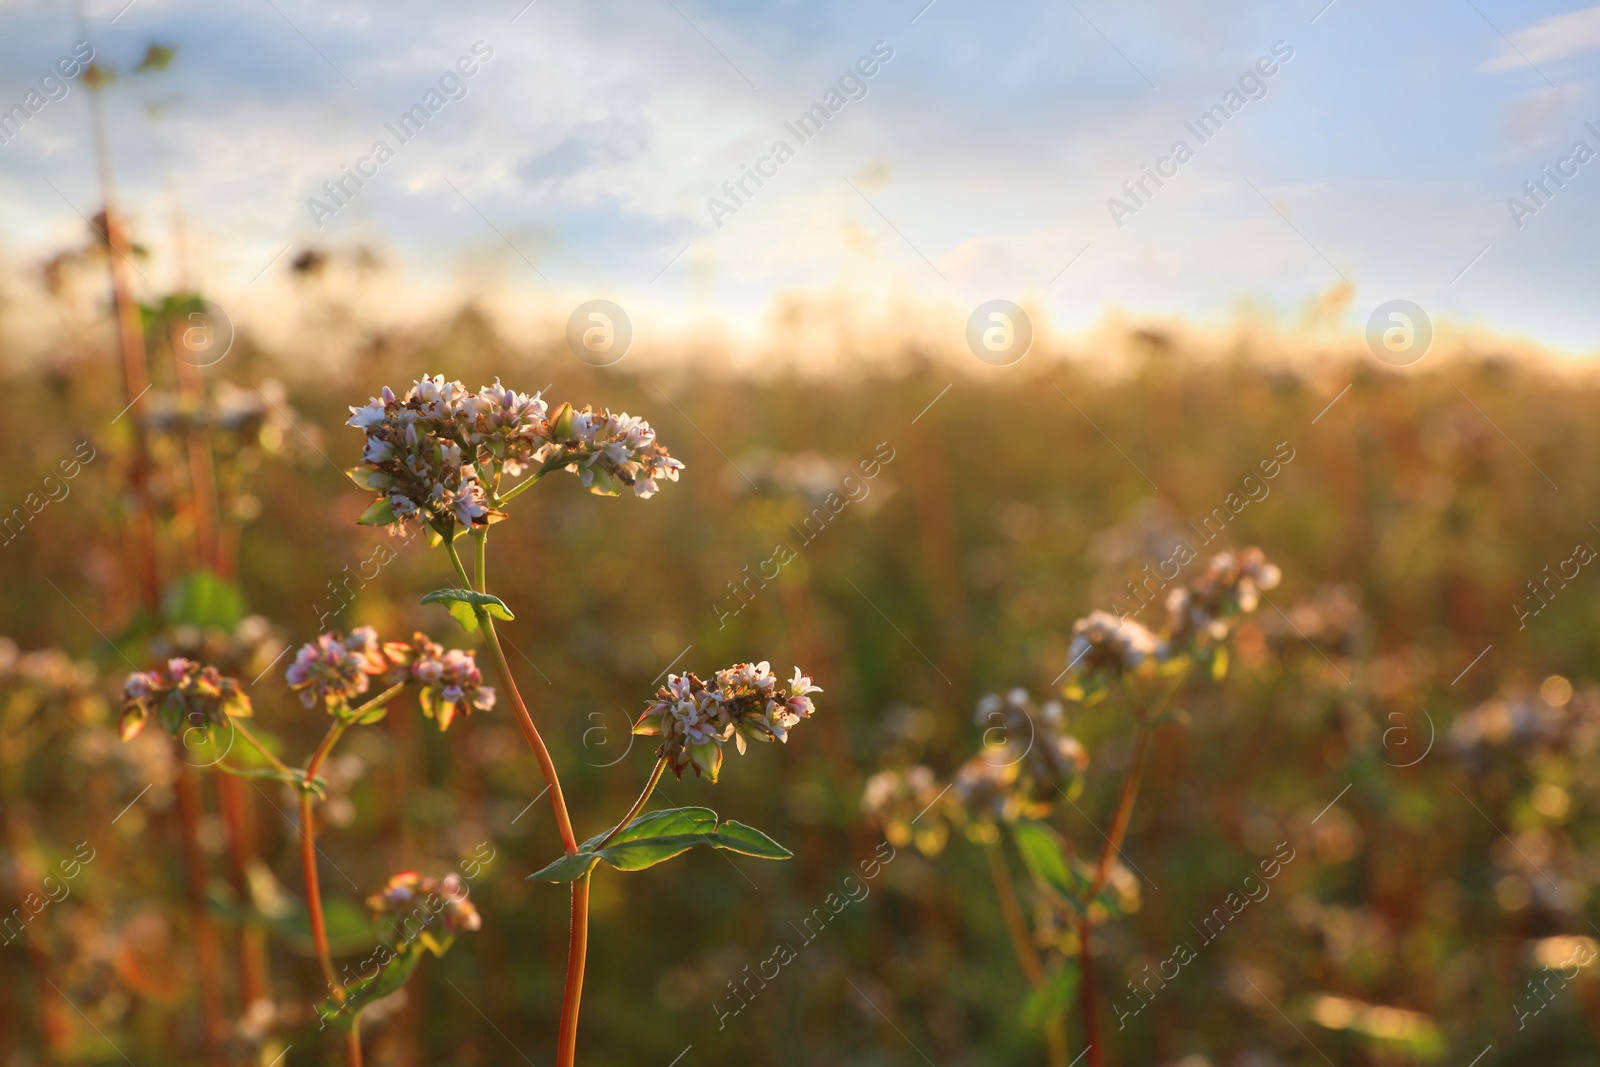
1408, 522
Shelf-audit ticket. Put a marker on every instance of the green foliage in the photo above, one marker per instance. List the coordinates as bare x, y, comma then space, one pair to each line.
464, 605
204, 600
1054, 997
658, 836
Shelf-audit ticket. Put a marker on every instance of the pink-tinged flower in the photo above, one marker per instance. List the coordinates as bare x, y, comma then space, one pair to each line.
439, 454
743, 702
182, 694
448, 682
608, 451
410, 898
337, 669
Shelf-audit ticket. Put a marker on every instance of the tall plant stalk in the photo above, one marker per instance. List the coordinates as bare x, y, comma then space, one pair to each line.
308, 861
578, 930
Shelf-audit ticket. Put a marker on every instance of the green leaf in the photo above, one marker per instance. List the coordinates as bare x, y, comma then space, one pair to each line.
204, 600
659, 836
1051, 1000
1044, 853
375, 715
379, 513
464, 605
1219, 665
391, 977
603, 482
369, 478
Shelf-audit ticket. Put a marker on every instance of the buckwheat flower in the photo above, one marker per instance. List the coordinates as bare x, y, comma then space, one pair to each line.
420, 454
449, 682
743, 702
409, 897
1110, 643
1037, 762
982, 789
337, 669
181, 694
607, 451
904, 804
509, 428
1203, 612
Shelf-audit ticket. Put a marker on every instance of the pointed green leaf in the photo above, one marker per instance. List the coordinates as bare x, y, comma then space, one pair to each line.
1044, 853
464, 605
390, 978
369, 478
659, 836
378, 513
375, 715
748, 841
566, 869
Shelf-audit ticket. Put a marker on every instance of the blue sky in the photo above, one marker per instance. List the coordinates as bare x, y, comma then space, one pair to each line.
978, 164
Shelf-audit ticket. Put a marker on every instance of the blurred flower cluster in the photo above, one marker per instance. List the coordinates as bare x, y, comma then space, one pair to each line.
1202, 613
248, 648
410, 895
437, 455
183, 693
47, 680
694, 718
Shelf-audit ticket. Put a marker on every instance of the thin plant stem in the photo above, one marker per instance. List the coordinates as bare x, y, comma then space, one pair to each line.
319, 929
650, 787
1005, 891
352, 1043
273, 761
530, 731
208, 949
578, 932
1091, 1024
1119, 829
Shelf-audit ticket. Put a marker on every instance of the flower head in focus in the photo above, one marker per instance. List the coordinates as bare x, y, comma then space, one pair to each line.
181, 694
744, 702
448, 681
337, 669
608, 451
438, 456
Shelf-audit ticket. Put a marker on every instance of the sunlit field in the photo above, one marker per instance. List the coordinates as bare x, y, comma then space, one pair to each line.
704, 534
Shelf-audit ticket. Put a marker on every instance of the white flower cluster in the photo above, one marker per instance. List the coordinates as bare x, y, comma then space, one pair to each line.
1028, 763
1104, 640
693, 718
438, 454
1230, 586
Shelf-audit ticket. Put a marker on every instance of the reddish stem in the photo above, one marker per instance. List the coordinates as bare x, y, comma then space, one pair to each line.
207, 948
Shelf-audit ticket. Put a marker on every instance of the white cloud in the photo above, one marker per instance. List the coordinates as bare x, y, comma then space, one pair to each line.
1551, 38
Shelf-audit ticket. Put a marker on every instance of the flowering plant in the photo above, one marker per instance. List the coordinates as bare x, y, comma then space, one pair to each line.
450, 461
1028, 763
335, 670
